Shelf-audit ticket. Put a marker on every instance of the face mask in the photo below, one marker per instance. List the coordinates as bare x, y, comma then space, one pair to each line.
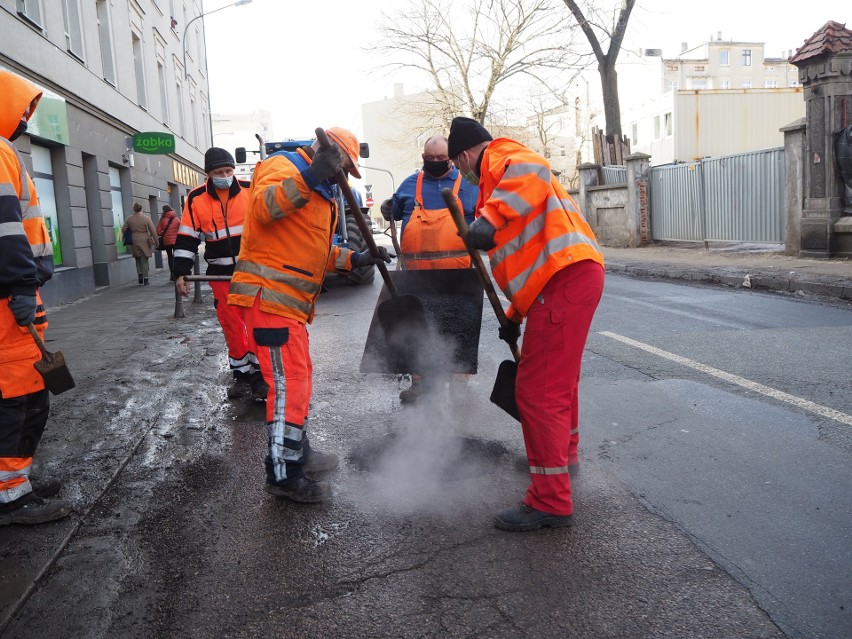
472, 177
436, 168
222, 183
22, 127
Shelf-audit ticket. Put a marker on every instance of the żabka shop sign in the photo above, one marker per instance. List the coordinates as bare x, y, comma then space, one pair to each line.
154, 143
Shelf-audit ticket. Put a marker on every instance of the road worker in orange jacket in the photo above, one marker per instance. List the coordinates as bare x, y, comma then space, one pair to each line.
26, 263
545, 258
286, 251
214, 212
430, 239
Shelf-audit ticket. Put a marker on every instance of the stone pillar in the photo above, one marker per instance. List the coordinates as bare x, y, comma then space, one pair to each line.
590, 175
639, 198
794, 189
825, 72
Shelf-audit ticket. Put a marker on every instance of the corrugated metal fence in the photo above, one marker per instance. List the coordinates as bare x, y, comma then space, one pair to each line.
614, 174
733, 198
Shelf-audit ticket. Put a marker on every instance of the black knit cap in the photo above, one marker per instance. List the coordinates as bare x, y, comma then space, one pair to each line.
465, 133
216, 158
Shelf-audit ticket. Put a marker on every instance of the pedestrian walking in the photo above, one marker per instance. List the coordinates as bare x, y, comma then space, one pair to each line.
286, 251
167, 231
144, 240
26, 264
545, 258
214, 212
429, 238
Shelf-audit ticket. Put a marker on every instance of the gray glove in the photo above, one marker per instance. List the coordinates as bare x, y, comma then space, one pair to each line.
365, 258
23, 307
480, 235
326, 162
387, 210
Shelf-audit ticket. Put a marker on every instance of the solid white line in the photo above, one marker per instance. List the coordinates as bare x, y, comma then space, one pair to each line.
805, 404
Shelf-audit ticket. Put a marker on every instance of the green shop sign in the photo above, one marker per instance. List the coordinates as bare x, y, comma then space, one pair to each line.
154, 143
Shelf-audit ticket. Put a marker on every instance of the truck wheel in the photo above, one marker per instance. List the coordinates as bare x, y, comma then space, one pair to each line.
365, 274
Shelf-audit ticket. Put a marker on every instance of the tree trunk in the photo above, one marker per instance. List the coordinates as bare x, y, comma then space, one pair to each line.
612, 110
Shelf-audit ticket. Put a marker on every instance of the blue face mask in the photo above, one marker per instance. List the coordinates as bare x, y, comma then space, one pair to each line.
222, 183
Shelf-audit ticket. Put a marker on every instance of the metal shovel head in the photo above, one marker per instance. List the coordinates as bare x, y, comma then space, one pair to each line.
503, 393
57, 377
431, 326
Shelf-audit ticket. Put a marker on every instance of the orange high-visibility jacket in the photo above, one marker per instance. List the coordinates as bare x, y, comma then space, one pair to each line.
26, 250
287, 239
431, 240
540, 230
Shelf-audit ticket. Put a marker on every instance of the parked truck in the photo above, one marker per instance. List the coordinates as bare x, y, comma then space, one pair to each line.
347, 234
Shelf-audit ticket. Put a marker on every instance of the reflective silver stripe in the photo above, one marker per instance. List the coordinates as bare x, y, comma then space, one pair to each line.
239, 361
268, 295
32, 212
275, 211
553, 246
272, 275
435, 255
188, 230
11, 494
25, 185
8, 475
291, 190
279, 407
569, 205
241, 288
184, 253
223, 233
42, 250
542, 470
12, 228
526, 169
240, 365
340, 260
512, 200
221, 261
532, 228
8, 189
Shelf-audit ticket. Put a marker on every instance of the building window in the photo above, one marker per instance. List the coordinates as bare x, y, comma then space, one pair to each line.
770, 84
42, 176
117, 207
698, 84
193, 114
770, 69
164, 98
181, 116
793, 83
699, 67
634, 133
73, 30
31, 10
139, 67
105, 39
746, 84
669, 125
724, 84
746, 57
673, 85
724, 58
657, 130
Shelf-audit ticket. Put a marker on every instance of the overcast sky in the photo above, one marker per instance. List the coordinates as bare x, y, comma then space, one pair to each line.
308, 63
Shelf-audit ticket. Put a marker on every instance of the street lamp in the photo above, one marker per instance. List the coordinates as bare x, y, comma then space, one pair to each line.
207, 13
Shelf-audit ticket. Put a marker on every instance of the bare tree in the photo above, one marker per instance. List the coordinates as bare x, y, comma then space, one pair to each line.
468, 55
596, 22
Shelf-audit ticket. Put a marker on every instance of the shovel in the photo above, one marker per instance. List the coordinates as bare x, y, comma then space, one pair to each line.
399, 261
51, 366
402, 316
503, 393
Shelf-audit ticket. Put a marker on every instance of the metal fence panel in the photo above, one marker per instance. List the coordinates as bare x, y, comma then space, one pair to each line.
614, 174
734, 198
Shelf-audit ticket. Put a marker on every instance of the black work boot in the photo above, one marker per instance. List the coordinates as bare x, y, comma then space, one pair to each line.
259, 388
46, 486
315, 462
140, 279
300, 489
35, 511
145, 282
411, 395
522, 464
527, 518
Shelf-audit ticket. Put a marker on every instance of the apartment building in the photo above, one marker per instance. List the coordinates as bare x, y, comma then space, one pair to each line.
109, 69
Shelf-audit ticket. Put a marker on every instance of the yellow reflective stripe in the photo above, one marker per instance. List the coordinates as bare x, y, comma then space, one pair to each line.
273, 275
542, 470
282, 299
12, 228
272, 207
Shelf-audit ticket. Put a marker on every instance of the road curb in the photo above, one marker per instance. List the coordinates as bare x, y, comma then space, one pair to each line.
737, 277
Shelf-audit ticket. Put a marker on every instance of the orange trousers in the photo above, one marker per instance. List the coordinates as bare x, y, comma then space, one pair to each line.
241, 358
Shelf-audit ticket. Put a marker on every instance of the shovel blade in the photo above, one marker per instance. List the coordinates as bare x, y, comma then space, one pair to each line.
57, 377
503, 393
403, 321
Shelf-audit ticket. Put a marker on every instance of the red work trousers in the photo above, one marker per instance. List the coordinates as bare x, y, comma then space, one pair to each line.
241, 357
546, 389
282, 349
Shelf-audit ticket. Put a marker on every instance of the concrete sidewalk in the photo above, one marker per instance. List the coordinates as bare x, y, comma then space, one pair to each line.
762, 267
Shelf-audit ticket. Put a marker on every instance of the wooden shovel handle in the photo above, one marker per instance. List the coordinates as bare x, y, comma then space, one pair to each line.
324, 142
461, 225
400, 263
38, 341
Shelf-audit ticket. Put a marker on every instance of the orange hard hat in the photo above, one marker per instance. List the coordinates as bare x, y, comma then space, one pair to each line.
347, 141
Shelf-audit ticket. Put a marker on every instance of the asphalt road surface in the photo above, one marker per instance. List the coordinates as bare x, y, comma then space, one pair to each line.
712, 501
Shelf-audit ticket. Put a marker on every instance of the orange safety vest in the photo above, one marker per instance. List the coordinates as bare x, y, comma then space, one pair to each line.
540, 230
431, 239
286, 246
18, 350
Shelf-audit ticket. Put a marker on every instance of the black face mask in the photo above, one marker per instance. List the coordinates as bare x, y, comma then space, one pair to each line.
22, 127
436, 168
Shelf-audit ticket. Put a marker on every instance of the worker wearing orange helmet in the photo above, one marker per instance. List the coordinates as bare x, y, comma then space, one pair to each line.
285, 254
545, 258
26, 264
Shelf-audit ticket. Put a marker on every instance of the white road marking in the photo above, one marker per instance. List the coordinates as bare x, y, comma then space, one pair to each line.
805, 404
